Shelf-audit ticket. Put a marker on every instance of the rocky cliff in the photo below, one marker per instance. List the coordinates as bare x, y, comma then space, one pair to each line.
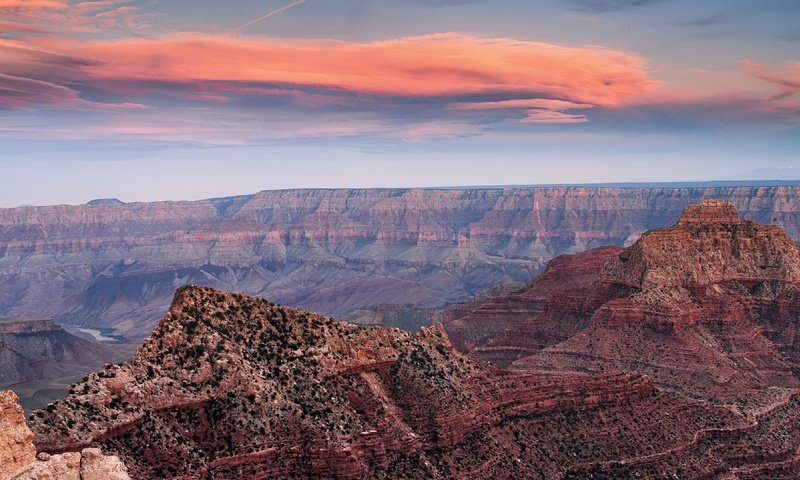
19, 461
707, 308
16, 439
230, 386
111, 264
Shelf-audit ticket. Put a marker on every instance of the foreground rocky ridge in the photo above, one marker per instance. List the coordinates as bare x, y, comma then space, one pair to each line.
231, 386
707, 308
336, 251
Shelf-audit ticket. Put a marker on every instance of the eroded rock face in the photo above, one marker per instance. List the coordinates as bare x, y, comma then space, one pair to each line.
230, 386
19, 461
16, 439
88, 464
335, 251
707, 308
709, 245
710, 211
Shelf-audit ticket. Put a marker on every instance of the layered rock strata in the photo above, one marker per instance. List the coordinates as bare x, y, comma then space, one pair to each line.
116, 265
707, 308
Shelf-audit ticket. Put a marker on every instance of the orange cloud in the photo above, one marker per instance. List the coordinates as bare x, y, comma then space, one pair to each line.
32, 4
426, 66
71, 17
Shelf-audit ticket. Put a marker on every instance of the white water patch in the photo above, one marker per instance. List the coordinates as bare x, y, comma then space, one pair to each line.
97, 335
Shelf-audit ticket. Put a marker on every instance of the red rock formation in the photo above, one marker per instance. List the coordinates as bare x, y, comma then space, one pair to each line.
335, 251
707, 308
550, 309
230, 386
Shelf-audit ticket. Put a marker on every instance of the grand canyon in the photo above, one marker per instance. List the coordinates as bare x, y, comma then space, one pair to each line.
428, 239
109, 265
673, 357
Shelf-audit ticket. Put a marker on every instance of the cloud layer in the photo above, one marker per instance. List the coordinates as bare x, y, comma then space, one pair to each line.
420, 87
88, 60
432, 65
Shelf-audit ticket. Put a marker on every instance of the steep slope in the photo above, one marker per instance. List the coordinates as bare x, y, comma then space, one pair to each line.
116, 265
707, 308
544, 312
230, 386
38, 349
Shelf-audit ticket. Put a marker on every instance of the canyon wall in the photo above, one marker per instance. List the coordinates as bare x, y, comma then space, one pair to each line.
707, 308
332, 251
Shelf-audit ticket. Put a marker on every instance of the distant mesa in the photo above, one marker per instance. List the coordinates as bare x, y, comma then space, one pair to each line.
27, 325
425, 247
105, 201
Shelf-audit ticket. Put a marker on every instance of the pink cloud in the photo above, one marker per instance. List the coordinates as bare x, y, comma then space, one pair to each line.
788, 80
552, 117
534, 103
31, 4
431, 65
537, 110
7, 26
19, 92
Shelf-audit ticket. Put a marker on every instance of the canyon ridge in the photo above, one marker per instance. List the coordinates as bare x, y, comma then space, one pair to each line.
114, 266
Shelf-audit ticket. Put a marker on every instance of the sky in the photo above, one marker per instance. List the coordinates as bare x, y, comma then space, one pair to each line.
147, 100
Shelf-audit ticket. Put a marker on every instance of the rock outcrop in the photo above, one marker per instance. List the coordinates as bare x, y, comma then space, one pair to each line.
231, 386
19, 461
16, 439
109, 264
707, 308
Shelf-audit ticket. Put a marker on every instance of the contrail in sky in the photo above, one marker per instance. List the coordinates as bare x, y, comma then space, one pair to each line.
270, 14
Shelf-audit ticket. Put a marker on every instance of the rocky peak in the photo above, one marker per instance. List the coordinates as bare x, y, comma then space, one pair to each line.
230, 386
708, 245
710, 212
